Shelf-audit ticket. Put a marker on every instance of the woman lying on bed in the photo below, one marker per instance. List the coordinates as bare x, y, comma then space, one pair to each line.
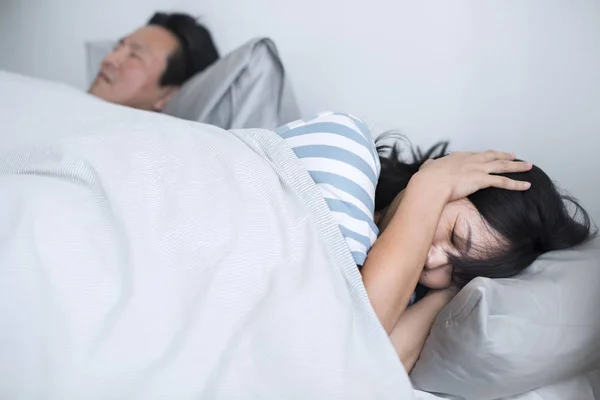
439, 220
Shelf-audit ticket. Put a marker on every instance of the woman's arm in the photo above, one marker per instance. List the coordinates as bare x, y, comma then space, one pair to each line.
394, 264
412, 329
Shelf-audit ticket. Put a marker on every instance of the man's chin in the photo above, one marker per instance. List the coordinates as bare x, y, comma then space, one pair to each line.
94, 88
99, 90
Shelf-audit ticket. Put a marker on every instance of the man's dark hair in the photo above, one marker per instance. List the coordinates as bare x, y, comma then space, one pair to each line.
196, 49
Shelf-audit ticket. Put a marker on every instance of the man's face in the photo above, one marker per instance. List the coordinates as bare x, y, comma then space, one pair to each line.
130, 75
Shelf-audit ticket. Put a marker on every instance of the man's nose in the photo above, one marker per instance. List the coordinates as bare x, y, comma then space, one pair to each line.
436, 257
117, 56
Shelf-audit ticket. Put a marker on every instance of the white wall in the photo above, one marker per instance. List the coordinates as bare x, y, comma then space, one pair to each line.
515, 75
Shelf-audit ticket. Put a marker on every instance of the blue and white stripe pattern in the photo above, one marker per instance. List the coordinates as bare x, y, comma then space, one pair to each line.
339, 153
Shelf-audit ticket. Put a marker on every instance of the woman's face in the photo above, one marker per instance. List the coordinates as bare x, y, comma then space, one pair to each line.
461, 231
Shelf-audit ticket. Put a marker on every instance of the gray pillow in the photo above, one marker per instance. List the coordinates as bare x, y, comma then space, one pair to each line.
247, 88
505, 337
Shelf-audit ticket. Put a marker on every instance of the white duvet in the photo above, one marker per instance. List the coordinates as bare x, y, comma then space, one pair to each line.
144, 257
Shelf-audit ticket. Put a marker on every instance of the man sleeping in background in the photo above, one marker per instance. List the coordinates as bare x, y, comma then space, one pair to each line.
147, 67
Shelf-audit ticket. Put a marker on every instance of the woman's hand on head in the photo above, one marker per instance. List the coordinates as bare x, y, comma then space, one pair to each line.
462, 174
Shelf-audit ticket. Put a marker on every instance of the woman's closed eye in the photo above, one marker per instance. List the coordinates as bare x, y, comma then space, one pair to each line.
461, 243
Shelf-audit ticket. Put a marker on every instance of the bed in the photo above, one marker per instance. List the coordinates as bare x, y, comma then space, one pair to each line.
148, 257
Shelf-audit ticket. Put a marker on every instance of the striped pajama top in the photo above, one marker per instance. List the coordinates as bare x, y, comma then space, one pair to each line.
339, 153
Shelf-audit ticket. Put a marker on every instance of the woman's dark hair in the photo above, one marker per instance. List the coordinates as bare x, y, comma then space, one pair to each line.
532, 222
196, 49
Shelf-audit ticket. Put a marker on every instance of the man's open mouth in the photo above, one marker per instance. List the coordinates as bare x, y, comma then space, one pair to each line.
104, 77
